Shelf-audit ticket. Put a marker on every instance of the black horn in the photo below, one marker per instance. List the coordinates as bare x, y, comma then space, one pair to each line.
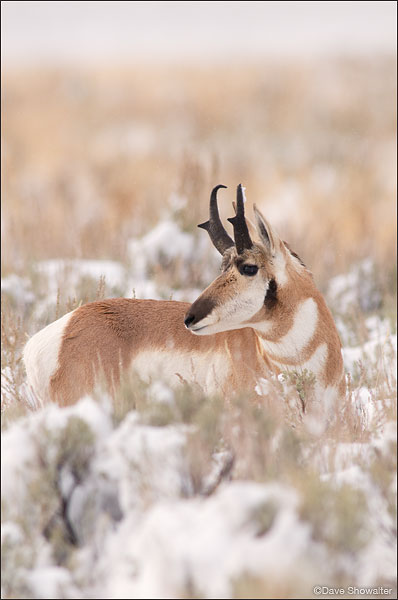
214, 227
241, 232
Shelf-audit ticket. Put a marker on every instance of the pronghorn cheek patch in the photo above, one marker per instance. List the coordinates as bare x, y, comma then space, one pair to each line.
270, 299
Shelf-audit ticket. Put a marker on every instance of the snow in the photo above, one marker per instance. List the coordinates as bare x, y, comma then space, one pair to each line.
356, 288
158, 262
378, 561
208, 542
66, 276
19, 288
19, 444
160, 392
70, 272
166, 254
142, 531
263, 387
143, 528
7, 388
18, 452
373, 349
51, 582
11, 533
143, 459
163, 243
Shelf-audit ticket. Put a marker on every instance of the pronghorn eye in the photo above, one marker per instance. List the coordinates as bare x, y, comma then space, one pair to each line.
249, 270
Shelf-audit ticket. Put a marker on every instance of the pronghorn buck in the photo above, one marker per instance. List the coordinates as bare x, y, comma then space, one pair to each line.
262, 315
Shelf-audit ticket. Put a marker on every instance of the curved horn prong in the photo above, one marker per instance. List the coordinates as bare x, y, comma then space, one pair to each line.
241, 232
214, 227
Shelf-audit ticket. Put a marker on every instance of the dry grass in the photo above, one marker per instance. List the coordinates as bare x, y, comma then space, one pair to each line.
92, 158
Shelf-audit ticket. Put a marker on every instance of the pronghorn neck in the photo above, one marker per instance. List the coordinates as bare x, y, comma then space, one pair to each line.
288, 336
299, 333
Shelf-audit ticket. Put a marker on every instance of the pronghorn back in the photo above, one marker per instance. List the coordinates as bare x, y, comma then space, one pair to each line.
262, 314
105, 338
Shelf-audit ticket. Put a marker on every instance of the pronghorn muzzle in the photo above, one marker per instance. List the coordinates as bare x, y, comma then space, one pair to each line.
200, 309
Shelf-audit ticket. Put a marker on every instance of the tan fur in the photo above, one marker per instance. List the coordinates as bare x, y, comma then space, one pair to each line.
104, 337
280, 319
241, 331
300, 287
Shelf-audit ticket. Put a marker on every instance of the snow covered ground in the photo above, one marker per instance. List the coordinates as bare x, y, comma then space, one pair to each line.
124, 493
180, 496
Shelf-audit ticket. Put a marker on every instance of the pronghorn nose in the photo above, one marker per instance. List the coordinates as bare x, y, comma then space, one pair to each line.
200, 309
189, 319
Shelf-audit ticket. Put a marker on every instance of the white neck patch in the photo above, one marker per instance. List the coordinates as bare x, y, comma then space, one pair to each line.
300, 334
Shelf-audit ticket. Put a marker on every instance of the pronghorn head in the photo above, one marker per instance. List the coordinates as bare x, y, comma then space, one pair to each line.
254, 267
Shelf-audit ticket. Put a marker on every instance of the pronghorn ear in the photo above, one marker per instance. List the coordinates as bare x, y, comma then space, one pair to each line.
267, 235
252, 229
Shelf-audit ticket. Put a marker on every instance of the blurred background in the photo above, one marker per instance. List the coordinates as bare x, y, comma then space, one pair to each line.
117, 115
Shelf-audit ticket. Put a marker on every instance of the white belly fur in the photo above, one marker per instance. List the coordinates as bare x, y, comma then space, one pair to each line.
209, 372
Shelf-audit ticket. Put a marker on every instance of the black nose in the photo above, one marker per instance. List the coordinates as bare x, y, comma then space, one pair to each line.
189, 319
200, 309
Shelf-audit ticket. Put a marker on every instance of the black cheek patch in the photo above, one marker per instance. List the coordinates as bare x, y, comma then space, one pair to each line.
270, 299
